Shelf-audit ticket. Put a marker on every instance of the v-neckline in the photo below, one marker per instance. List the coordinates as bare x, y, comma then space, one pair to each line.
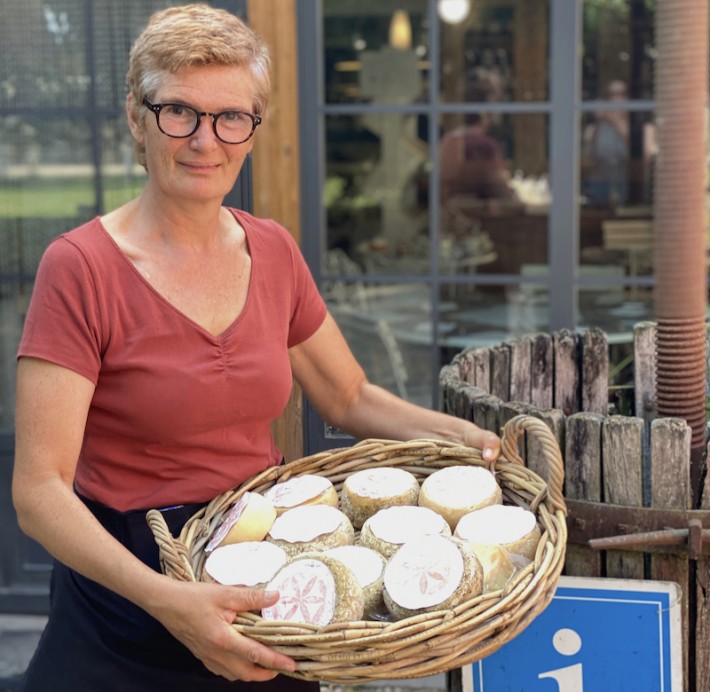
216, 338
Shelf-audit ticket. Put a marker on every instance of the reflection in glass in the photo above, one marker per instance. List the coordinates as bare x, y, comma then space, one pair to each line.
618, 39
388, 328
375, 53
495, 194
616, 198
375, 193
509, 38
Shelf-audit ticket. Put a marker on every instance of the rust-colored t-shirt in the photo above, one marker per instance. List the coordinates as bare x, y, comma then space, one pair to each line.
178, 415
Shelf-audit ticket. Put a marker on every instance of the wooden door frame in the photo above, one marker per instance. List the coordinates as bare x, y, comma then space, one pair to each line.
276, 164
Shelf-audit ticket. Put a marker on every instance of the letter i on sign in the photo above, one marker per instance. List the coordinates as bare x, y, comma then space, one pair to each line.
569, 679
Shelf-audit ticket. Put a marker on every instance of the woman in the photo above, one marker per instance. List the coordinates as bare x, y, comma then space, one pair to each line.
160, 342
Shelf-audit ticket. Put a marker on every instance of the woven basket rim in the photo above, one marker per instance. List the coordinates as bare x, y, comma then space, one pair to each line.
416, 646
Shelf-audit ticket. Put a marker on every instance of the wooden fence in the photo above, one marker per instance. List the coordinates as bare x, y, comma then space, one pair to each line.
625, 474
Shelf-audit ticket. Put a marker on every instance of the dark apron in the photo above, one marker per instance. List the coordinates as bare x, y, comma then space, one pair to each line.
96, 640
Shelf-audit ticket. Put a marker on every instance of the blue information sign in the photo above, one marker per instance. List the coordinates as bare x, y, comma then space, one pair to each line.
596, 635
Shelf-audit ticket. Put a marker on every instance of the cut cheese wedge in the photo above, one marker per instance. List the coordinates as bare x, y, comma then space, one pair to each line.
504, 537
389, 528
249, 519
431, 573
309, 489
315, 589
368, 567
457, 490
249, 563
311, 528
367, 491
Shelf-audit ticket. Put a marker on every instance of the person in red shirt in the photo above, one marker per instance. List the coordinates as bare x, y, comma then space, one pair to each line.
161, 341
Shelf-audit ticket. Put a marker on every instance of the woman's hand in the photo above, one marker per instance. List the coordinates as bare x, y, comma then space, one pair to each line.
484, 440
200, 616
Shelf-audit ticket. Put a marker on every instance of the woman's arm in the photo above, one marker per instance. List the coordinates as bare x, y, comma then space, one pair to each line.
52, 405
337, 387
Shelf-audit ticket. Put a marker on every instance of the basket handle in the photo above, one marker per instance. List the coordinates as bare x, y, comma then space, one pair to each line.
174, 556
512, 432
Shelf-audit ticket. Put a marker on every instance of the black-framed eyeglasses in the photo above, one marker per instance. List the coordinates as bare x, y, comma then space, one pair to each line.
178, 120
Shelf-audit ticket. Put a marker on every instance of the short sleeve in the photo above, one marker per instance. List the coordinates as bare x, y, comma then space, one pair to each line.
63, 322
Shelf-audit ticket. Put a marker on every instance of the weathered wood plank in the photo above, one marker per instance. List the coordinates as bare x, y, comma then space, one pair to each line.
670, 489
541, 371
567, 376
595, 371
482, 368
645, 370
500, 372
486, 413
583, 481
449, 376
622, 461
520, 369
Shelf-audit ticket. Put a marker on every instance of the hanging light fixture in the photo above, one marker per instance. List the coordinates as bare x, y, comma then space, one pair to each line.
453, 11
401, 30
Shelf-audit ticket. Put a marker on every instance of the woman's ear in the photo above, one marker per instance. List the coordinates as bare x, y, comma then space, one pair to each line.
135, 124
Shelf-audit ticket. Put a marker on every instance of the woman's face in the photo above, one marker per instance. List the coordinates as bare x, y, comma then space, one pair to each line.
199, 167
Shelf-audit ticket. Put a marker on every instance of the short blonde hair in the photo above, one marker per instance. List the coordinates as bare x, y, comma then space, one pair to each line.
195, 35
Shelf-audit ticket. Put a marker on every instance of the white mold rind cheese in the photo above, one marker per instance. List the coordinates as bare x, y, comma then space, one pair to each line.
514, 529
249, 563
308, 489
368, 567
315, 589
311, 528
431, 573
367, 491
389, 528
457, 490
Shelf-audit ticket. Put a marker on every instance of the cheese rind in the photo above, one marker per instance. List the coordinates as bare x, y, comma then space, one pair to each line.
367, 491
368, 567
248, 563
389, 528
431, 573
457, 490
514, 529
315, 589
311, 528
308, 489
248, 519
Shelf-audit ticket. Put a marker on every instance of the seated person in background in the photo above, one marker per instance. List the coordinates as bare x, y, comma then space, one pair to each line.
472, 163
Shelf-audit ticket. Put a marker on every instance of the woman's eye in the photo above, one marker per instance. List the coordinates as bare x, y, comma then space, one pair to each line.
175, 110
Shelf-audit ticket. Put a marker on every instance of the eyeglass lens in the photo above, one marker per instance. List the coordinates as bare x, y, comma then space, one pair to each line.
181, 121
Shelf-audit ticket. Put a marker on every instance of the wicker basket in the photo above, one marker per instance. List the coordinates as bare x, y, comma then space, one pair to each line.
362, 651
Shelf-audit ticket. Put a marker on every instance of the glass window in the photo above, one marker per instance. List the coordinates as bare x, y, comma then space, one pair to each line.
619, 50
375, 52
495, 195
508, 39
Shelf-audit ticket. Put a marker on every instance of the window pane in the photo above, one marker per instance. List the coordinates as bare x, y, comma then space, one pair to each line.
495, 195
618, 48
375, 53
375, 193
507, 40
388, 327
122, 177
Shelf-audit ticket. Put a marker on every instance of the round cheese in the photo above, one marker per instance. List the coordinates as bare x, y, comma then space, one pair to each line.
368, 567
315, 589
367, 491
389, 528
249, 563
457, 490
248, 519
514, 529
431, 573
309, 489
311, 528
